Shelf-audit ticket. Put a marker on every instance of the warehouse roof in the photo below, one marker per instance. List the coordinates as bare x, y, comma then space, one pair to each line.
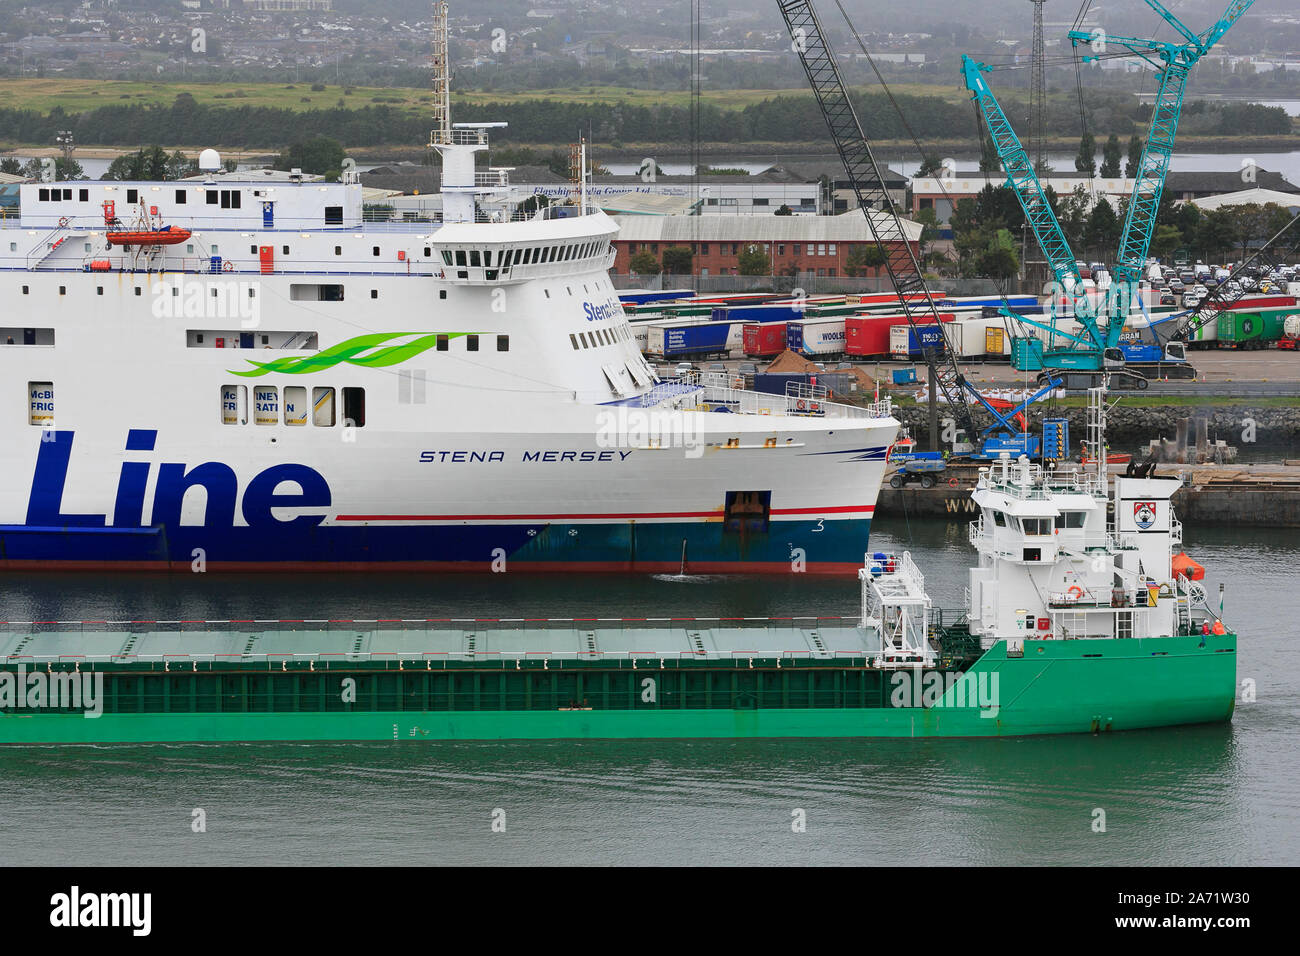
1242, 197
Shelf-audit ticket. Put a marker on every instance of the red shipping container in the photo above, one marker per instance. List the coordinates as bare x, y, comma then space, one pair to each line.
764, 338
866, 336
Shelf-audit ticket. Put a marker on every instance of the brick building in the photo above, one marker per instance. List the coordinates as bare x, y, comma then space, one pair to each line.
819, 245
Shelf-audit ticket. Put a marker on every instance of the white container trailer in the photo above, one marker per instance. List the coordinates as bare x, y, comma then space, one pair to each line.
814, 337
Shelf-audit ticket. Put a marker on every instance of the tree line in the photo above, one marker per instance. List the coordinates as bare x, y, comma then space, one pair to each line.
778, 119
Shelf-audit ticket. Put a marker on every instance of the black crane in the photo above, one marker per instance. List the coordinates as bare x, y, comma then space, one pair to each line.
883, 219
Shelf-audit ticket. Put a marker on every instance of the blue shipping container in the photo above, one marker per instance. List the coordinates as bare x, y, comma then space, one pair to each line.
930, 336
702, 339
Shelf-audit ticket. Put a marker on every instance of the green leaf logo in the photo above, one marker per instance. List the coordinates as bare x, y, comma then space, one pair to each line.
368, 351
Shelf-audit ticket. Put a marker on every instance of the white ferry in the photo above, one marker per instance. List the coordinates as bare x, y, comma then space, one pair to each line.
227, 373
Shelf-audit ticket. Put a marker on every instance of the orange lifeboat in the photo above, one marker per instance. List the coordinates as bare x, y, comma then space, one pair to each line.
1184, 567
166, 236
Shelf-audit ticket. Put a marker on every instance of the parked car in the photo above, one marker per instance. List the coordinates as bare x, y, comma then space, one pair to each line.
682, 369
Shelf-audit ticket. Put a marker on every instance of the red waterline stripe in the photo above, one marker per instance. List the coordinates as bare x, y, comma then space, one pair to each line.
844, 509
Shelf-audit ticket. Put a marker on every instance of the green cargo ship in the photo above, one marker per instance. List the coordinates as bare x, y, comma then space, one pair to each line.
832, 687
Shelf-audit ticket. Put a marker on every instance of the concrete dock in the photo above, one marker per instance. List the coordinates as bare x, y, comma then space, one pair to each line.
1256, 495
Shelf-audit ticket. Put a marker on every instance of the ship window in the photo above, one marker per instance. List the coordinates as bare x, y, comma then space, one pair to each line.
427, 252
234, 404
354, 407
506, 257
574, 339
286, 249
189, 247
132, 197
266, 405
999, 519
1070, 519
322, 406
24, 290
1036, 526
338, 250
442, 293
63, 290
252, 250
83, 195
585, 343
99, 290
487, 257
22, 336
475, 258
471, 343
213, 197
503, 343
460, 257
295, 404
137, 290
180, 197
315, 292
374, 250
374, 293
333, 215
13, 247
44, 195
442, 341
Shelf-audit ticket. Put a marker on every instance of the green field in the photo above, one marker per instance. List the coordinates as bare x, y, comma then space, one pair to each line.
76, 95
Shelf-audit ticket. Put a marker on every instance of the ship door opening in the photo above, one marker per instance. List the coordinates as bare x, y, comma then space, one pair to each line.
747, 512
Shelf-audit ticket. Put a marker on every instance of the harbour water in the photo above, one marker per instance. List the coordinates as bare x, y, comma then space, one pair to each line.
1198, 795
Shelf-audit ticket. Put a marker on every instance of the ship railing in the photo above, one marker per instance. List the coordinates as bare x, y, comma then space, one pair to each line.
748, 402
458, 137
377, 626
975, 531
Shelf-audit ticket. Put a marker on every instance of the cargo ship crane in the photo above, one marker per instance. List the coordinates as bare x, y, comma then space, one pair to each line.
886, 227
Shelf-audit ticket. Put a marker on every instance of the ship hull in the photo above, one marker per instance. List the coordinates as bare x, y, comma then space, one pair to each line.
1057, 687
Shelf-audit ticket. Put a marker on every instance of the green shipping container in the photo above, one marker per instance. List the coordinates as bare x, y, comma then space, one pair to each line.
1239, 327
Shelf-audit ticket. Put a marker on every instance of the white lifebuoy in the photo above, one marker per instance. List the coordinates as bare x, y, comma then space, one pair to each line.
63, 222
800, 405
227, 266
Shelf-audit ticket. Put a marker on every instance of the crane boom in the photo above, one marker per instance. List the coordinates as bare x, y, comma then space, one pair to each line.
1024, 182
864, 175
1173, 62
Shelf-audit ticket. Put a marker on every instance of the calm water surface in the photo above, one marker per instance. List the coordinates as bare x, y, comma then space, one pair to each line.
1201, 795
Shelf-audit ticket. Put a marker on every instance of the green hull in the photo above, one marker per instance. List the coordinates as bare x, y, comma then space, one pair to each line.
1056, 687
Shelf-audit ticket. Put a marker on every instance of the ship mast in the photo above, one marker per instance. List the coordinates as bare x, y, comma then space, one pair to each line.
458, 144
441, 133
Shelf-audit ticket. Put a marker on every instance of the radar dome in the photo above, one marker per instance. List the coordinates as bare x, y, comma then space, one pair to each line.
209, 161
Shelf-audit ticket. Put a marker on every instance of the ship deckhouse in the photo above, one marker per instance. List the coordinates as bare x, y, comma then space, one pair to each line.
1067, 555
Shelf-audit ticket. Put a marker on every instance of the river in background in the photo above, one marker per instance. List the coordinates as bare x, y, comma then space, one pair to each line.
1284, 162
1196, 795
